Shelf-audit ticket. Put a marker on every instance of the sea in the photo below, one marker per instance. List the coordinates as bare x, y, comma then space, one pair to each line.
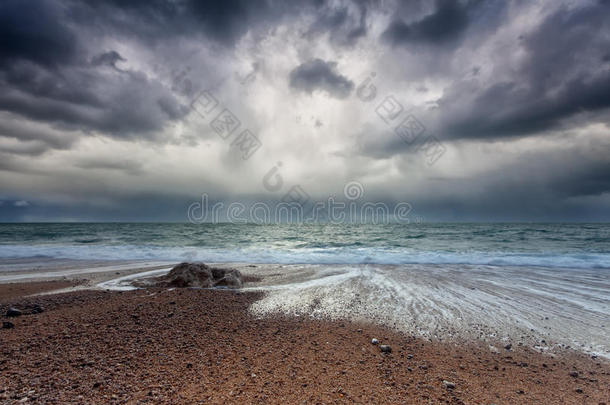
500, 244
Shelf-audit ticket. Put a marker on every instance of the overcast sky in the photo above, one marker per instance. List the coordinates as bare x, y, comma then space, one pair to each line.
470, 110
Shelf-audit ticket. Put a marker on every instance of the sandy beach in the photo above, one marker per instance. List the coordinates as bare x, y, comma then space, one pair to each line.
90, 345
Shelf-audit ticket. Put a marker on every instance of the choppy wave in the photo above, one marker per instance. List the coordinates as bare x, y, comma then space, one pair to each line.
545, 245
330, 255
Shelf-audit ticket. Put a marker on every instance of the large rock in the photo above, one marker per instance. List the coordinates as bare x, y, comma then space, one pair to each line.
200, 275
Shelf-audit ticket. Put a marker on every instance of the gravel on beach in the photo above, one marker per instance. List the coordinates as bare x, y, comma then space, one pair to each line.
203, 346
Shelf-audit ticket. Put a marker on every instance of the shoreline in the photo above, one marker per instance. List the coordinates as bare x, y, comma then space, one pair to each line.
539, 308
189, 345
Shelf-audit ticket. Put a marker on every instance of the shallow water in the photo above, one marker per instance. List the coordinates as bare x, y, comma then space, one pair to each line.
540, 307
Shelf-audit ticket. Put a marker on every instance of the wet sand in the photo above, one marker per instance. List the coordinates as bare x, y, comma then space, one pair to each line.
86, 273
205, 346
12, 291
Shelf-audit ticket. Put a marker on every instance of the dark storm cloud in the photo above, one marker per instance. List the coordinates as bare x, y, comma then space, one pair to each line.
125, 104
563, 75
71, 68
34, 31
222, 22
446, 23
317, 74
345, 24
109, 58
587, 178
565, 186
47, 76
90, 97
226, 21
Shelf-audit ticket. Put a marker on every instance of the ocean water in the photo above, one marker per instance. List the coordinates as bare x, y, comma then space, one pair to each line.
547, 245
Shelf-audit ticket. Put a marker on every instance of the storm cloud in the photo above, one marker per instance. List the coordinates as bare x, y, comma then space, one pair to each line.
118, 110
320, 75
445, 23
563, 74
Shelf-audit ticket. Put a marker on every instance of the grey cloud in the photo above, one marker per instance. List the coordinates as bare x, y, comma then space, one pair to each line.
566, 186
9, 162
222, 22
122, 104
109, 58
47, 77
561, 77
126, 166
16, 129
35, 32
446, 23
32, 148
61, 82
317, 74
345, 24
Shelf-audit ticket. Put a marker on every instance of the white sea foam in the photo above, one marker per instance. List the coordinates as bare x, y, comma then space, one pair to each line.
373, 255
529, 305
125, 283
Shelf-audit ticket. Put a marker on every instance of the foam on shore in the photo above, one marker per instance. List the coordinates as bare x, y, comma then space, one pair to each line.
545, 308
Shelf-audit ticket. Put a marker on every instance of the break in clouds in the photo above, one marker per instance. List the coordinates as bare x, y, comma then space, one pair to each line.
467, 110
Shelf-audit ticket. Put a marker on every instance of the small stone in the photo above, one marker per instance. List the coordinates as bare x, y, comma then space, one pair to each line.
7, 325
385, 349
189, 365
448, 384
37, 309
579, 390
508, 346
12, 312
374, 341
574, 374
